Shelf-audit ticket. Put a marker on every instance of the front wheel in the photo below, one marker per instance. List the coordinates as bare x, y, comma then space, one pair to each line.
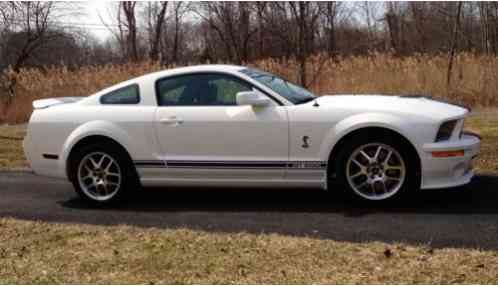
376, 168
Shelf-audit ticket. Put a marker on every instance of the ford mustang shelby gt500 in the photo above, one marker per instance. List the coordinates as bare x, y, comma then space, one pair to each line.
220, 125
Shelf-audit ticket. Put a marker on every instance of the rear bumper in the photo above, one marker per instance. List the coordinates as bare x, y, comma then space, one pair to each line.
449, 171
42, 165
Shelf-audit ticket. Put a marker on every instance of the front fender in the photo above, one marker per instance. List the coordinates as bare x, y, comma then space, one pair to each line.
92, 128
358, 121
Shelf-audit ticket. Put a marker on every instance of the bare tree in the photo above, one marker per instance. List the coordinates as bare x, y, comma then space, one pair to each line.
219, 16
454, 43
156, 24
279, 31
418, 14
305, 15
330, 15
179, 11
260, 12
488, 12
393, 25
239, 32
33, 19
117, 30
7, 12
29, 26
231, 23
131, 24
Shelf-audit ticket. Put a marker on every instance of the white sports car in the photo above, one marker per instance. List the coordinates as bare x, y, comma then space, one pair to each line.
220, 125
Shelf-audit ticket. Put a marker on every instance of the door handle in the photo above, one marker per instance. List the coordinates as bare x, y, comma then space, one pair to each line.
171, 120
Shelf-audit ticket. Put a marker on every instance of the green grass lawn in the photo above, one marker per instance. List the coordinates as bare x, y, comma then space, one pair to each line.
38, 252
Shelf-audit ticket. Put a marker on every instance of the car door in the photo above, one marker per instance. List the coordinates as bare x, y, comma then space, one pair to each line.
204, 134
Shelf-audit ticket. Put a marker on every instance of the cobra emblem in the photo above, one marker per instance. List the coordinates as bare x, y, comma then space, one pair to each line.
305, 142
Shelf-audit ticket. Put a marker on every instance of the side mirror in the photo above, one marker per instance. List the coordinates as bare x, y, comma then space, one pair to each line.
252, 98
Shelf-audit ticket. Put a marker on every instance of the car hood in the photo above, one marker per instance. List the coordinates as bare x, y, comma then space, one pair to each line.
417, 105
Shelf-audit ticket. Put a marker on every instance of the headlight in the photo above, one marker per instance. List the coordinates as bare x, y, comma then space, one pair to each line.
446, 130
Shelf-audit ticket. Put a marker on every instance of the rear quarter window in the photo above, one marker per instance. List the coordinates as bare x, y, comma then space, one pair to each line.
125, 95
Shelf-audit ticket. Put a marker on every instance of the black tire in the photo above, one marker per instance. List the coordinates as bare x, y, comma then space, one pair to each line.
339, 178
129, 182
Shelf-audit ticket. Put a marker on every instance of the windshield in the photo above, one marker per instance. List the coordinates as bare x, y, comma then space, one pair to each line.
290, 91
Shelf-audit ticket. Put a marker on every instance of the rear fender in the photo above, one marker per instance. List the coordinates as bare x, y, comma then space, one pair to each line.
92, 128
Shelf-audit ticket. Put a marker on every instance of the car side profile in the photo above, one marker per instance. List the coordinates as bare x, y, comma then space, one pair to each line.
222, 125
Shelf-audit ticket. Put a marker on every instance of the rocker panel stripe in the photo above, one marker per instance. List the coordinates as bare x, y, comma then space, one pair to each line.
176, 164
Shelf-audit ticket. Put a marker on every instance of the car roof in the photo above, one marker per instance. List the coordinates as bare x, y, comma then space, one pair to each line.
169, 72
154, 76
197, 68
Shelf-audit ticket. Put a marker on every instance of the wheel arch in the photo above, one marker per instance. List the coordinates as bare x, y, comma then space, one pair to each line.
363, 121
365, 130
93, 132
94, 139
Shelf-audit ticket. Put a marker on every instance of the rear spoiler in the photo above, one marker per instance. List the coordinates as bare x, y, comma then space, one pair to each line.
45, 103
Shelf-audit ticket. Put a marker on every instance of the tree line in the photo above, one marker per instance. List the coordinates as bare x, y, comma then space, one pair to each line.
240, 32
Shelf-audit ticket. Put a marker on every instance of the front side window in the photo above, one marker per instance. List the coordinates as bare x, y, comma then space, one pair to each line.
126, 95
200, 90
290, 91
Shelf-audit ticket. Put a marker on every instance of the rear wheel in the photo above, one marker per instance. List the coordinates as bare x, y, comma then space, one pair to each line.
102, 174
376, 168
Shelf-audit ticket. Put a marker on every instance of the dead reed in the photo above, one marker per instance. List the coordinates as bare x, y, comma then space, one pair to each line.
474, 79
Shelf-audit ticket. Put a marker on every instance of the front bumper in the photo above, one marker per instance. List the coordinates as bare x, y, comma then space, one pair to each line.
449, 171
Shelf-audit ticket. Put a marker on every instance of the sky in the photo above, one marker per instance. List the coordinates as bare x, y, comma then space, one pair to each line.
89, 18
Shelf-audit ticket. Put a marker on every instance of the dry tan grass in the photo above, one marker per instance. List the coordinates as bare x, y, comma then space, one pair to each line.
42, 253
11, 152
485, 122
60, 82
475, 78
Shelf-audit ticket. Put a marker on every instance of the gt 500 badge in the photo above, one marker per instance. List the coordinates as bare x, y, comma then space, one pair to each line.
307, 165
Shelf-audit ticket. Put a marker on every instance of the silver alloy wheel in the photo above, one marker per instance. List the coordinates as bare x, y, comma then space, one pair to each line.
99, 176
375, 171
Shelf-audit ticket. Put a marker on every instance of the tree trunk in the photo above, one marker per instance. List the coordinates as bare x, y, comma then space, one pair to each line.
176, 38
453, 44
392, 23
300, 16
331, 42
129, 11
260, 9
154, 51
244, 31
